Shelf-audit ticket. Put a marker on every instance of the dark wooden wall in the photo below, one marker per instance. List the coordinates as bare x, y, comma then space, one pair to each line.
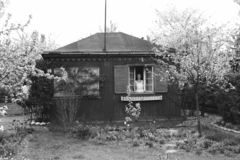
109, 106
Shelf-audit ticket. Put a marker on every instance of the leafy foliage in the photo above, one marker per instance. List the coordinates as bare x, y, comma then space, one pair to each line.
132, 111
11, 139
40, 99
18, 53
228, 98
201, 50
83, 82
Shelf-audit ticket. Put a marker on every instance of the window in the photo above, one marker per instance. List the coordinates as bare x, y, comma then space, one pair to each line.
89, 80
80, 81
150, 78
141, 79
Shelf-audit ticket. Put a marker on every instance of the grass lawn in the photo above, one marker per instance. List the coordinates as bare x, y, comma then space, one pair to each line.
49, 145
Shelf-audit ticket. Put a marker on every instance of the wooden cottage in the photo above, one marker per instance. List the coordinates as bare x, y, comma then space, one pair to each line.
124, 58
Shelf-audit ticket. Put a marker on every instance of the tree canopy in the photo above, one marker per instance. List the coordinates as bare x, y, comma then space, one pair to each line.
202, 50
18, 54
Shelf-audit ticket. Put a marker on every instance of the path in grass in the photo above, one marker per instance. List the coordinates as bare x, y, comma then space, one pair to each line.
48, 145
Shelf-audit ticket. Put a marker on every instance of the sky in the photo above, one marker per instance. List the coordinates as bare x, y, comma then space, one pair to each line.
67, 21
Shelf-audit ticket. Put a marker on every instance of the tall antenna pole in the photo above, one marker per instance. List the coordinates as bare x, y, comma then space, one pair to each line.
105, 26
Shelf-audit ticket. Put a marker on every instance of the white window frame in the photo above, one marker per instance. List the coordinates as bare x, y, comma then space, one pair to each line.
144, 78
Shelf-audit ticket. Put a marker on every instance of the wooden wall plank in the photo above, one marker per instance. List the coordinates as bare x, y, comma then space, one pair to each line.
110, 107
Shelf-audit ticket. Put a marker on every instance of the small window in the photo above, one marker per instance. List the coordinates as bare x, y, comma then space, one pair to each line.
141, 79
89, 81
81, 81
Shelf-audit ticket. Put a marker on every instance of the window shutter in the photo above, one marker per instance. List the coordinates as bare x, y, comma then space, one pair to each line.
160, 84
121, 78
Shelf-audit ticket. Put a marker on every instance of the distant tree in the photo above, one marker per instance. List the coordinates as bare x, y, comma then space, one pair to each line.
111, 28
202, 51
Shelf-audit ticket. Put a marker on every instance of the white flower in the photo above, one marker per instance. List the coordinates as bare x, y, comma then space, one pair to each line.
5, 107
2, 128
42, 124
137, 105
3, 112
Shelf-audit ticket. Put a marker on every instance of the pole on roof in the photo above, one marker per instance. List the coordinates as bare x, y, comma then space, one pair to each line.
105, 27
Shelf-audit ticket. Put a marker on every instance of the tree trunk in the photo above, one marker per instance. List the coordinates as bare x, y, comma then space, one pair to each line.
198, 116
202, 110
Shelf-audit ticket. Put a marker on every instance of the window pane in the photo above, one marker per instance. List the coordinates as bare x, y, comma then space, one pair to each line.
148, 75
131, 82
148, 69
131, 76
132, 85
148, 81
149, 88
148, 72
132, 88
93, 89
81, 81
131, 70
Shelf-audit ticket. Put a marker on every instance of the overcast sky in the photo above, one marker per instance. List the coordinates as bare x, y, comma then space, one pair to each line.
70, 20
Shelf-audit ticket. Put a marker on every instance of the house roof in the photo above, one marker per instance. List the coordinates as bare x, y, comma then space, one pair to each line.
115, 42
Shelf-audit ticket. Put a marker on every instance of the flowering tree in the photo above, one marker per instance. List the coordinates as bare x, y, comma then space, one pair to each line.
18, 53
201, 50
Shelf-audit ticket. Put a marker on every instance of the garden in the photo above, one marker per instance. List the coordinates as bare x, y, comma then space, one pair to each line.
143, 140
201, 60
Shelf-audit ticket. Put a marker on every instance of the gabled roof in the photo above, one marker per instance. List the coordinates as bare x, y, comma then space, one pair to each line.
115, 42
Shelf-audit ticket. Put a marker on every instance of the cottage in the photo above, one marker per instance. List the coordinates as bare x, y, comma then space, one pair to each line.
123, 61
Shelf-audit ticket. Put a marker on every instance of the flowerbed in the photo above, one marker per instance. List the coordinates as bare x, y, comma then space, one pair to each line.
213, 141
231, 127
136, 136
11, 139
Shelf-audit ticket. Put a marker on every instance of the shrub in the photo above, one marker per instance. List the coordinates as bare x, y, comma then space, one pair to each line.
206, 144
228, 98
237, 149
83, 131
56, 128
10, 141
215, 136
199, 151
230, 142
161, 141
135, 143
217, 148
188, 145
66, 109
149, 144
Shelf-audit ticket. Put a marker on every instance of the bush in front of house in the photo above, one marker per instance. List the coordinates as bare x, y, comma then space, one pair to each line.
228, 100
40, 99
11, 138
82, 131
